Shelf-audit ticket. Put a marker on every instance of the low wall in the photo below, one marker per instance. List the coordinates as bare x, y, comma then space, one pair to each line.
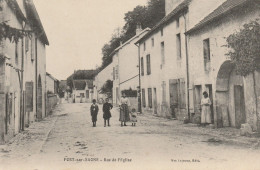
52, 101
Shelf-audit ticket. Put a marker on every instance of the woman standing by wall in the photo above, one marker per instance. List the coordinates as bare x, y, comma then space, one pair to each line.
124, 110
205, 112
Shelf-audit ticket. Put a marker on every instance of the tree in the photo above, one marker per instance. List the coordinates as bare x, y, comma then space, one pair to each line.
245, 51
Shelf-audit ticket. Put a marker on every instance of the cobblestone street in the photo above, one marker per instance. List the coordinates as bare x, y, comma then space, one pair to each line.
67, 139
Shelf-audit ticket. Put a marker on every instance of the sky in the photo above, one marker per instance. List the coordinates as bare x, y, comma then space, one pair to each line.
77, 31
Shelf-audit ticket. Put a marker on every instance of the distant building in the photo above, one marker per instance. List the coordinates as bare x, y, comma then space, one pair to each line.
82, 91
52, 84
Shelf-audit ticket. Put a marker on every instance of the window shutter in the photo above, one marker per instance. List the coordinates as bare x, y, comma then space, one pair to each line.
183, 93
29, 96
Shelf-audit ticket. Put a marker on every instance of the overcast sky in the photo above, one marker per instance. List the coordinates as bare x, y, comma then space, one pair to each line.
78, 29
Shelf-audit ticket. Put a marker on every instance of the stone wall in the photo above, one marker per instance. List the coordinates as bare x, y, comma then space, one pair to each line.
51, 102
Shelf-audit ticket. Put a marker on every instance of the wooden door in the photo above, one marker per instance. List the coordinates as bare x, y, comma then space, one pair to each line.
239, 99
174, 96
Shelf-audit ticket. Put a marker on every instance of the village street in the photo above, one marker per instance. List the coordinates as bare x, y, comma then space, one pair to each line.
67, 139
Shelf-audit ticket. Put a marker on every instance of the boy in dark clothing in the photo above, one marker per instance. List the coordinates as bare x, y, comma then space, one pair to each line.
94, 112
106, 109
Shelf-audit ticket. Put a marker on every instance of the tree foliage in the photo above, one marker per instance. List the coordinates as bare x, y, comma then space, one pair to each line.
245, 48
107, 87
13, 34
147, 16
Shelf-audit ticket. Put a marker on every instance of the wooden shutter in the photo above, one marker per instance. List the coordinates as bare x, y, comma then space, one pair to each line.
183, 93
29, 96
142, 66
150, 99
148, 62
143, 98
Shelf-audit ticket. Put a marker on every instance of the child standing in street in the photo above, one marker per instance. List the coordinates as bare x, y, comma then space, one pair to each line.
107, 114
94, 112
133, 117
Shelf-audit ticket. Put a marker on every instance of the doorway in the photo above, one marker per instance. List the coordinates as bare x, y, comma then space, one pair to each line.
39, 99
154, 101
209, 87
239, 100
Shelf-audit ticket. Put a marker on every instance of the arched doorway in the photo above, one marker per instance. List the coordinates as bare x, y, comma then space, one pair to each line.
39, 98
230, 97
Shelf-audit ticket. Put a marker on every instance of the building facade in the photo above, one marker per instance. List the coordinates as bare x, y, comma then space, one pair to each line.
125, 68
162, 54
21, 64
211, 70
100, 79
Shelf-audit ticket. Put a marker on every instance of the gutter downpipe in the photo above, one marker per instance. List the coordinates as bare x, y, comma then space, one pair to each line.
187, 68
139, 76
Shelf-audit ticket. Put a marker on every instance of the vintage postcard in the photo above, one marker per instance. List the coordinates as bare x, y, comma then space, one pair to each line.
129, 84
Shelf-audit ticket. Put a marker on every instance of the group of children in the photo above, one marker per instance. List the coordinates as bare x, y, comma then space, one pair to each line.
107, 114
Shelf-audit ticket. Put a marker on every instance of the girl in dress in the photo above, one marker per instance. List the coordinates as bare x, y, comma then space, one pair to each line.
205, 109
124, 110
133, 117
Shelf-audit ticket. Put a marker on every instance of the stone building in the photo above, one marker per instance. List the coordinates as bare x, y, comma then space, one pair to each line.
210, 69
125, 67
22, 65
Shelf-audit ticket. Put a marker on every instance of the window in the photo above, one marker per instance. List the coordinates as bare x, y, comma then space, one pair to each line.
32, 50
144, 46
152, 42
206, 53
16, 53
114, 72
82, 95
162, 53
178, 46
177, 22
162, 32
142, 66
143, 98
87, 94
148, 63
150, 99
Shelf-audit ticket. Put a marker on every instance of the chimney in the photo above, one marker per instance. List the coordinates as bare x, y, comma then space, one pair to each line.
138, 28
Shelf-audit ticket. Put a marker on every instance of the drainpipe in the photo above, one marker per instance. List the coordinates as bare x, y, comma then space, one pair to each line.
139, 76
187, 67
21, 88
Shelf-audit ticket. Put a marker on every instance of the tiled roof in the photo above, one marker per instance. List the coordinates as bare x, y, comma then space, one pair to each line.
181, 7
219, 12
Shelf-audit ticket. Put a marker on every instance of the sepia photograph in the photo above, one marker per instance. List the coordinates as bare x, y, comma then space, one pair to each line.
129, 84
